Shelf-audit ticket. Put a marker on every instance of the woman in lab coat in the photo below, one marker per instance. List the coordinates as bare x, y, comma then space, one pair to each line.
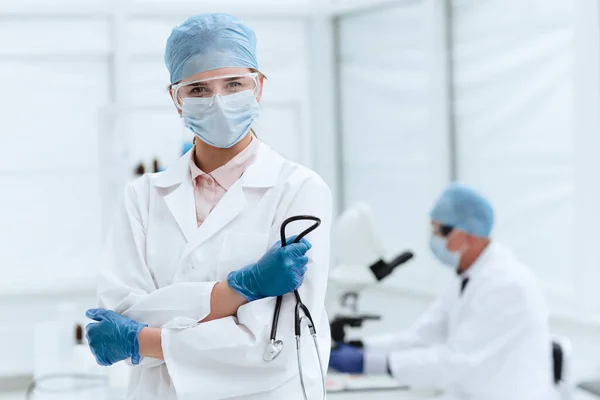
192, 261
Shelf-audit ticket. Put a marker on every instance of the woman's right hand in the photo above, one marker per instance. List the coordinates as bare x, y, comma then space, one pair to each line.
281, 270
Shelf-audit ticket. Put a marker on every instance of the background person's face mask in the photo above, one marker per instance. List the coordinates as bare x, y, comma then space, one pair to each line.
221, 121
438, 247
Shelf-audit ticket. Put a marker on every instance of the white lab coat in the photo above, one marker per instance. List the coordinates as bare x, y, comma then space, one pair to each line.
159, 268
490, 343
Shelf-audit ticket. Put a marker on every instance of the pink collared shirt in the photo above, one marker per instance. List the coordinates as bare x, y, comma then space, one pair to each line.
209, 189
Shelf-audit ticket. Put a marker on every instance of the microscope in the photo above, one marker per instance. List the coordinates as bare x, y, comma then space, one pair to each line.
360, 264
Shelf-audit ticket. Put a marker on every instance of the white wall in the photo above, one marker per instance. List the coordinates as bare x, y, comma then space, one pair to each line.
513, 65
394, 122
521, 70
55, 79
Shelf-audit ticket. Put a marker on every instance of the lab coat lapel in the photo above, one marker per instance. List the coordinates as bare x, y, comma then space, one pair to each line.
262, 174
182, 205
180, 200
229, 207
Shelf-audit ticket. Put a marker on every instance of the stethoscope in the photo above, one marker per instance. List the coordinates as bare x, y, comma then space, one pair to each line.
275, 346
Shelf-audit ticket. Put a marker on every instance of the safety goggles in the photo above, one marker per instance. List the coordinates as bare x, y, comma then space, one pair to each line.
444, 230
231, 89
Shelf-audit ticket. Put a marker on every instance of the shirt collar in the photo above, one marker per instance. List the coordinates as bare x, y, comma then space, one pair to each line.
263, 173
473, 269
227, 174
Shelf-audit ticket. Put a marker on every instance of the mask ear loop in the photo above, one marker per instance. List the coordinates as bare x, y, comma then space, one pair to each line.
259, 90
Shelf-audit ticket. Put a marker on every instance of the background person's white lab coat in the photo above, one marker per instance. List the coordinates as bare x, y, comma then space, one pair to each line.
160, 267
490, 343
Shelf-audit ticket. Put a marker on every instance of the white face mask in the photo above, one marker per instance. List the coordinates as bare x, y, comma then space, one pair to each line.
438, 246
221, 121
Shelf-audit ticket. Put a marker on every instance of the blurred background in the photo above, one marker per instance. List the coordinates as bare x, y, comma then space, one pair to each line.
387, 100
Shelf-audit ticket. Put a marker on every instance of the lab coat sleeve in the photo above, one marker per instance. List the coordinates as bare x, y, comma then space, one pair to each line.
427, 331
230, 350
126, 284
491, 324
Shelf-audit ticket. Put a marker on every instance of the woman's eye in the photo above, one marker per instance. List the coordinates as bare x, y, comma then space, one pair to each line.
234, 84
198, 90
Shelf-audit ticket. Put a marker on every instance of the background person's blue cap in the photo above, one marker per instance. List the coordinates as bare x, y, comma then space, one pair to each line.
209, 41
463, 208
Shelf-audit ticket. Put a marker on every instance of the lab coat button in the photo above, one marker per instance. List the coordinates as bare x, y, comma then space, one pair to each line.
189, 268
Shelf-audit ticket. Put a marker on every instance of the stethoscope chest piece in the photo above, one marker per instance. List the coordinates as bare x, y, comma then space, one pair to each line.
272, 350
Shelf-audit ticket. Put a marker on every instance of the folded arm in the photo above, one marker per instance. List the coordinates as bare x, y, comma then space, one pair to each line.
127, 286
224, 302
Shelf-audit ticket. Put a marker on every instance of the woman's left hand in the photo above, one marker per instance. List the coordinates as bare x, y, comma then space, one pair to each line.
113, 337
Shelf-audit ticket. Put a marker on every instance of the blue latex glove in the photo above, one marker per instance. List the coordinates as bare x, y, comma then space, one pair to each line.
348, 359
113, 337
281, 270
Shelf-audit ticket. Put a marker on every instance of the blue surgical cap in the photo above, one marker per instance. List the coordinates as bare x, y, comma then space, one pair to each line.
209, 41
463, 208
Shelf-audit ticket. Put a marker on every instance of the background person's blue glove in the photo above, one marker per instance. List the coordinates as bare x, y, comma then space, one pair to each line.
281, 270
348, 359
113, 337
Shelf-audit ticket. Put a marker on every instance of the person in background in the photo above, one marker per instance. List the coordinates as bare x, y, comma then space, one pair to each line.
192, 263
486, 337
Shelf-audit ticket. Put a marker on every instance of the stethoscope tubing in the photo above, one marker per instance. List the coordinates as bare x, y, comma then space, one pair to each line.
299, 304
